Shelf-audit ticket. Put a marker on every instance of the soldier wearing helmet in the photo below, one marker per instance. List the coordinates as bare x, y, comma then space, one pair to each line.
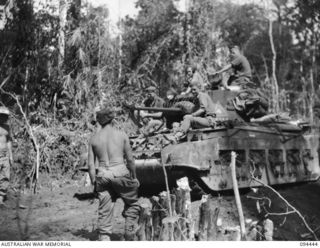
6, 158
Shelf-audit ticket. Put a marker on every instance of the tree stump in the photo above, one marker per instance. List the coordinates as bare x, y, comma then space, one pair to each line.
268, 229
166, 233
144, 231
156, 218
185, 225
170, 216
208, 219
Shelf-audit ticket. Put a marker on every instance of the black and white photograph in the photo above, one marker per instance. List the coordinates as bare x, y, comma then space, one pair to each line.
159, 120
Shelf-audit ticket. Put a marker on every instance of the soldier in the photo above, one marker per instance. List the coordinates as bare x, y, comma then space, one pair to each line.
193, 78
203, 117
241, 70
152, 99
154, 118
113, 177
6, 158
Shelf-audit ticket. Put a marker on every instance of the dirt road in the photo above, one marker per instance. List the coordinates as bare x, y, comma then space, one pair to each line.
56, 214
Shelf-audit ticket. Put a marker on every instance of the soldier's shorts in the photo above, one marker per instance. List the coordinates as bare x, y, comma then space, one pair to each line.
111, 185
4, 173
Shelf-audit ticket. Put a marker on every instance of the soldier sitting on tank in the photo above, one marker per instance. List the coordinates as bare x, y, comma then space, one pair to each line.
241, 76
170, 102
203, 117
152, 119
193, 77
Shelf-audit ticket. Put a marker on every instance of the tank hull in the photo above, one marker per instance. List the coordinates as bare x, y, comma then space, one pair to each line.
274, 157
274, 151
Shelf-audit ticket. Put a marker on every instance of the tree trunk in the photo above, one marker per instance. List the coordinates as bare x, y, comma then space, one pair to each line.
274, 77
312, 93
63, 7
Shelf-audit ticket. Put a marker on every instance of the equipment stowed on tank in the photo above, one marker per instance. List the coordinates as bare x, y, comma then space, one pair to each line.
276, 152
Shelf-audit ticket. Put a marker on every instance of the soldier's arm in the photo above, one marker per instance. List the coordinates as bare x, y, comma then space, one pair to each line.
129, 157
91, 164
199, 112
202, 108
227, 67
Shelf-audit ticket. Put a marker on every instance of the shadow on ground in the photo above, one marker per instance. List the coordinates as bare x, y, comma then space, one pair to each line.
94, 236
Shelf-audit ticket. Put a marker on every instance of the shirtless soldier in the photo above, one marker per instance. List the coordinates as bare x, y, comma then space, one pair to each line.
113, 177
5, 153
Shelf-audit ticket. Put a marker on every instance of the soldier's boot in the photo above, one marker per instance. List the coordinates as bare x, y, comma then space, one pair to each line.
104, 237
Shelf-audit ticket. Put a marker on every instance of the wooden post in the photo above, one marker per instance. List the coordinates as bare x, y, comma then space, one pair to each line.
237, 195
208, 219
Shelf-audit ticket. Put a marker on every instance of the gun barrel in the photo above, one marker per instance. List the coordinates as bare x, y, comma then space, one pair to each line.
166, 110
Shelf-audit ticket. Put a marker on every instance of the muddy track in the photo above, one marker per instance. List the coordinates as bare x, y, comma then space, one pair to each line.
68, 213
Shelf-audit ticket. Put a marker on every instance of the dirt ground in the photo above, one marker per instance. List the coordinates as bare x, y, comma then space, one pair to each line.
56, 214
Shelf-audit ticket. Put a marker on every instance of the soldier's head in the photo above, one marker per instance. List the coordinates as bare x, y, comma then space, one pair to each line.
234, 50
190, 71
105, 116
171, 94
4, 114
195, 89
151, 92
175, 126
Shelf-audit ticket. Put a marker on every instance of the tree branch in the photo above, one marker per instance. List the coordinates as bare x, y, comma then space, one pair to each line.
288, 204
31, 134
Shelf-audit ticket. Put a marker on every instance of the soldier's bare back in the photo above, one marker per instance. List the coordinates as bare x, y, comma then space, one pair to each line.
109, 145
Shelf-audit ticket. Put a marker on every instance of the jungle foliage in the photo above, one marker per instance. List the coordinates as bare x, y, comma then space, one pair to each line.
59, 92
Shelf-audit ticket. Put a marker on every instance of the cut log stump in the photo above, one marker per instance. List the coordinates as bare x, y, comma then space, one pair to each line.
185, 224
144, 231
208, 218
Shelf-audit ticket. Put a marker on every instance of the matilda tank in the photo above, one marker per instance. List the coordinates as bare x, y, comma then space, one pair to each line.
275, 152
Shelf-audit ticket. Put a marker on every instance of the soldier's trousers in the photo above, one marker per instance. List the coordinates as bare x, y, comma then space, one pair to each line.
4, 173
196, 122
109, 188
